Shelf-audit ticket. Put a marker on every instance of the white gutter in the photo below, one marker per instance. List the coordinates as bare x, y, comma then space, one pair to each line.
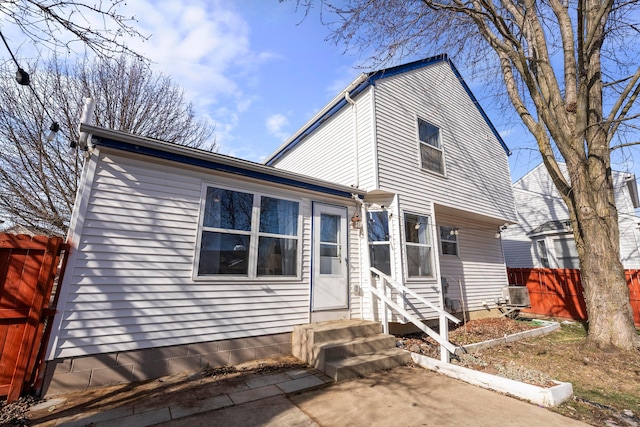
356, 141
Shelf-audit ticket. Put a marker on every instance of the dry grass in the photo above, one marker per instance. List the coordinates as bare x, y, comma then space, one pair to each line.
606, 385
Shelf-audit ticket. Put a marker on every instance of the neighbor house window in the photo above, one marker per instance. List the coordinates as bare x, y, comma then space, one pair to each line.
230, 230
566, 252
417, 245
431, 155
449, 240
379, 249
542, 253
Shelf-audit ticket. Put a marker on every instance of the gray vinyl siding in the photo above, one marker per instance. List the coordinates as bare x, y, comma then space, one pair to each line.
477, 182
329, 152
538, 201
476, 274
476, 169
131, 286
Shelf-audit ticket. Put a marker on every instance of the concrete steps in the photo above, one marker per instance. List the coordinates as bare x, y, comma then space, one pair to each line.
345, 349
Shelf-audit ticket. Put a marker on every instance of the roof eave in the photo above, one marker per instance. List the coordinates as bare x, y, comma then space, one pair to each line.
361, 83
187, 155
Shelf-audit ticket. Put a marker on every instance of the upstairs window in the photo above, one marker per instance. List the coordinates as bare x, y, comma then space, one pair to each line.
248, 235
418, 245
449, 240
431, 154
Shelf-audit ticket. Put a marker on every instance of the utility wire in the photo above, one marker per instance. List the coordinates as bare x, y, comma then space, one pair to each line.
54, 126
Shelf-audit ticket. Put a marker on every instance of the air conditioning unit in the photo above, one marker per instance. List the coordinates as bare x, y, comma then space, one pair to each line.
516, 295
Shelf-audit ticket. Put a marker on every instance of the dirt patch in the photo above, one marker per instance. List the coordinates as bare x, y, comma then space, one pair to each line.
606, 385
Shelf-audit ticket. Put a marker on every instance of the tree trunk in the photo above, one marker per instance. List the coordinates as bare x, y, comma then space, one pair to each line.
606, 293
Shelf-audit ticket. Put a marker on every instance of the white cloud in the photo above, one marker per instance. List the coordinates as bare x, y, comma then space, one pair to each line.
275, 124
205, 47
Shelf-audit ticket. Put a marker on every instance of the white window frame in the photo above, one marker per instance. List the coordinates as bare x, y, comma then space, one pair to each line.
543, 253
387, 242
429, 146
453, 240
556, 255
427, 225
254, 233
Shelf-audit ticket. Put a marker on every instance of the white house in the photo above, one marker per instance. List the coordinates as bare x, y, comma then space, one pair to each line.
183, 258
543, 237
436, 175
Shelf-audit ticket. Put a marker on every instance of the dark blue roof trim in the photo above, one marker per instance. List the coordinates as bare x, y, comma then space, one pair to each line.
372, 78
326, 116
213, 165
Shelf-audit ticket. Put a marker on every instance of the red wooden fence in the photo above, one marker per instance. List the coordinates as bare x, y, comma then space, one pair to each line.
559, 293
28, 269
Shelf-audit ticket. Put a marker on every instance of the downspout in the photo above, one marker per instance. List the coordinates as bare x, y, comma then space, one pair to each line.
354, 108
363, 220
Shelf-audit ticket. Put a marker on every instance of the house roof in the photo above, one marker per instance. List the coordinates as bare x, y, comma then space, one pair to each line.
359, 85
629, 179
196, 157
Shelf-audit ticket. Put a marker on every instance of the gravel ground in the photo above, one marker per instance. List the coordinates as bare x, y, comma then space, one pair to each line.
14, 414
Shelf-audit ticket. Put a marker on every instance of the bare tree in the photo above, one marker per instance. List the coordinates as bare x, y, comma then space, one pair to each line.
97, 26
554, 57
39, 172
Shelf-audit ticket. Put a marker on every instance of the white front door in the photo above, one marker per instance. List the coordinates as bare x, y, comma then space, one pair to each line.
330, 283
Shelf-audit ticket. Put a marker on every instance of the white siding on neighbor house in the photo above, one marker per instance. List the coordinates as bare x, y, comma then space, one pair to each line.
329, 152
476, 169
131, 287
538, 201
534, 209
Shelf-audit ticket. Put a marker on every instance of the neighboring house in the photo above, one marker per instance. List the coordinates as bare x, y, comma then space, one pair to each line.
436, 174
182, 259
543, 236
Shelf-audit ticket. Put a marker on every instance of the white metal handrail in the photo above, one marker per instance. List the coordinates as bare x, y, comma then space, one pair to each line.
413, 319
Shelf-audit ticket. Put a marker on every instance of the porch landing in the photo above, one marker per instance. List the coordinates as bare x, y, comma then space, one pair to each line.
346, 349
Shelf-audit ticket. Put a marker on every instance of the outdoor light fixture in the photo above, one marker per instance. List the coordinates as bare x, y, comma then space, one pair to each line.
53, 131
501, 229
356, 221
22, 77
454, 231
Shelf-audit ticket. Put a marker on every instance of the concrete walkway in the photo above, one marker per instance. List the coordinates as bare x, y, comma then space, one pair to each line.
404, 396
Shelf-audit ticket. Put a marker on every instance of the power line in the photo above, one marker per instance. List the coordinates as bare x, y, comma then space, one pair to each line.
22, 77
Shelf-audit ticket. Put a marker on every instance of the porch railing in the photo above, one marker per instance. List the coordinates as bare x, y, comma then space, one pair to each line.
384, 294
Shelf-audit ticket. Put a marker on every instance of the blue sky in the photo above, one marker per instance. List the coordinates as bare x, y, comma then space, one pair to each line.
259, 70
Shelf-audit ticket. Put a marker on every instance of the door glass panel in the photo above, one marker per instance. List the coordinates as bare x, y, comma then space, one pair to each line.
330, 262
379, 251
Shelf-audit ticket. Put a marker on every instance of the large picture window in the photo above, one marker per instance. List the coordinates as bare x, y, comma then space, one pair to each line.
236, 242
418, 245
431, 154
